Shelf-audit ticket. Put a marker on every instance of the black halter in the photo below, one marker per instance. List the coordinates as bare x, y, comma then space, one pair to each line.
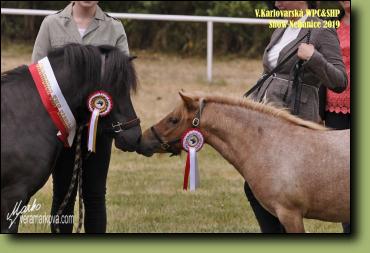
122, 126
168, 146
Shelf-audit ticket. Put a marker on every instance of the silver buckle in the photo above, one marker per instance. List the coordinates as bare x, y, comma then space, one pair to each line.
165, 146
196, 122
114, 126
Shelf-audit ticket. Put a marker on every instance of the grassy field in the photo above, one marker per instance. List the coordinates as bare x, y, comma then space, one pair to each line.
145, 194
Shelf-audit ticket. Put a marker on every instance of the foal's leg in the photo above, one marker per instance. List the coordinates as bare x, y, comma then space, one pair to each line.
291, 219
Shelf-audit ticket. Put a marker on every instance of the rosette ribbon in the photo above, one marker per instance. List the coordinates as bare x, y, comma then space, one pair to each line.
100, 104
192, 141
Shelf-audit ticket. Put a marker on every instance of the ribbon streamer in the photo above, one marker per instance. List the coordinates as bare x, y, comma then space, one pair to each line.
91, 144
194, 172
191, 175
187, 171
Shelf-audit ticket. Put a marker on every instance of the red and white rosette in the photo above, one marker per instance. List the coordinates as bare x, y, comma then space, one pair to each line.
192, 141
100, 104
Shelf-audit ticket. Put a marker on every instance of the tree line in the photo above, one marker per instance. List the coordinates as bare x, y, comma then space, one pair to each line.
164, 36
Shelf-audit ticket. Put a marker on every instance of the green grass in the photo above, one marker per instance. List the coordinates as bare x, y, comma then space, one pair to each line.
158, 203
145, 196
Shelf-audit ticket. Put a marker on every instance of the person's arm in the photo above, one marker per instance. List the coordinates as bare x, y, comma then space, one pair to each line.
42, 43
326, 61
122, 38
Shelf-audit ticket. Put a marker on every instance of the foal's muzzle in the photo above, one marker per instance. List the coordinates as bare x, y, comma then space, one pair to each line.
168, 147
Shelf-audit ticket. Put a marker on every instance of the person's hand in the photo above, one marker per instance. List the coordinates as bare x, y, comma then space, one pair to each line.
305, 51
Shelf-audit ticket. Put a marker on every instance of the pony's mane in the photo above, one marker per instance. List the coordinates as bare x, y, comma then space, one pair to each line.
11, 74
263, 108
86, 59
118, 70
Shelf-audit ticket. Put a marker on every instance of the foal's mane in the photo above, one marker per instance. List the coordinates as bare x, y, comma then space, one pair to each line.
263, 108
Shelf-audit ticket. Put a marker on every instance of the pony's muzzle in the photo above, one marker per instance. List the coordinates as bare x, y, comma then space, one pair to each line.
128, 140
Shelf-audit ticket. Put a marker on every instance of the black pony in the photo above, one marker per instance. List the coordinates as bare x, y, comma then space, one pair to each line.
29, 145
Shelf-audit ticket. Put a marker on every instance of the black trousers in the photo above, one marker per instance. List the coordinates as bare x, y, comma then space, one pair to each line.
94, 177
339, 121
267, 222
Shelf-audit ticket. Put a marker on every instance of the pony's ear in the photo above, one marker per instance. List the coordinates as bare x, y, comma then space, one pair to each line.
189, 102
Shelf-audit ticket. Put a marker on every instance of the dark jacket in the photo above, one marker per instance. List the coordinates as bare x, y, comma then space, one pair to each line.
325, 67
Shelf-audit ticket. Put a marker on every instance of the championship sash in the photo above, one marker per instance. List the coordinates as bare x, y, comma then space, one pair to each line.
53, 100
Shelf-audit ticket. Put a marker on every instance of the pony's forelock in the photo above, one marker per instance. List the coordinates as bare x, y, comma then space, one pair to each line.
119, 69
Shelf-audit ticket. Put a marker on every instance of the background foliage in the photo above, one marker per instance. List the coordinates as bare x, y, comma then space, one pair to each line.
170, 37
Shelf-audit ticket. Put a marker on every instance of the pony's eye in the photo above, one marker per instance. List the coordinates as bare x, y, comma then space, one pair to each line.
173, 120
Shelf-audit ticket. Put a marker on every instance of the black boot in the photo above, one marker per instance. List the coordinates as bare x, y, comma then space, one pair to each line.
267, 222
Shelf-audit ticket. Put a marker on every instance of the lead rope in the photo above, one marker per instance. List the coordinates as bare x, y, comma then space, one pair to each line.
80, 197
77, 172
296, 82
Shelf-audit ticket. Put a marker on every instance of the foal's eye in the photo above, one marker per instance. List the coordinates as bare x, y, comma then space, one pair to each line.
173, 120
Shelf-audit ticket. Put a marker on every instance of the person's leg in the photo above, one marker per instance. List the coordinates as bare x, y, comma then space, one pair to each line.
62, 174
95, 170
339, 121
267, 222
